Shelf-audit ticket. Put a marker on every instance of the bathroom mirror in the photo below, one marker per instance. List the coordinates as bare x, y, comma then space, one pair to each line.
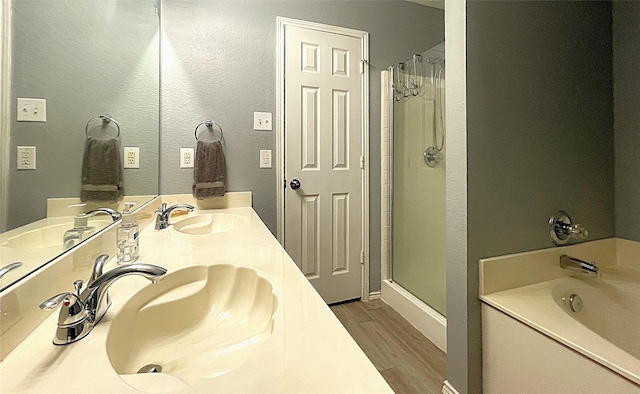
86, 59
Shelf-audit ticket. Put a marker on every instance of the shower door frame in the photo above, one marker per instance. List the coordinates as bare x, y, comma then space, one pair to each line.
390, 119
427, 320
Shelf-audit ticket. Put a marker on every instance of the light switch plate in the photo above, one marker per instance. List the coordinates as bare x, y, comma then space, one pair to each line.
32, 110
131, 157
262, 121
265, 159
26, 158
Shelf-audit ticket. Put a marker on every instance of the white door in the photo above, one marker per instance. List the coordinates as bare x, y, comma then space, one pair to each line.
323, 138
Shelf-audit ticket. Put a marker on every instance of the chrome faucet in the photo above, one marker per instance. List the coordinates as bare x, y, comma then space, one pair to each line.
574, 264
562, 229
81, 311
4, 270
163, 213
115, 215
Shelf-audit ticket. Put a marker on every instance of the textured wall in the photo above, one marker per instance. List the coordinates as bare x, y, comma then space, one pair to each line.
539, 137
219, 62
626, 92
85, 58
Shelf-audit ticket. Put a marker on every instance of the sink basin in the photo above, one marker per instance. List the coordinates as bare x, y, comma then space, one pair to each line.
47, 236
199, 322
207, 223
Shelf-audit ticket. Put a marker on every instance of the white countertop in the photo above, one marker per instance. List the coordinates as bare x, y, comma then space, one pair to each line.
33, 257
309, 351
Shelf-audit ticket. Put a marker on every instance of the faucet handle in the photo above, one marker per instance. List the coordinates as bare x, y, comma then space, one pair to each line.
562, 229
53, 302
72, 311
577, 231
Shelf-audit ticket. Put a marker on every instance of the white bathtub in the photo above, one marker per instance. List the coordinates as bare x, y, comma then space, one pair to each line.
610, 305
606, 329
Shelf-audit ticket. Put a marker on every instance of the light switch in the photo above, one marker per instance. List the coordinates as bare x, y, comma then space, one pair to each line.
262, 121
32, 110
265, 159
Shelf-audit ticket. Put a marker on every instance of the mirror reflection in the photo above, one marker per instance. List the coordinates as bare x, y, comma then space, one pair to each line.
90, 138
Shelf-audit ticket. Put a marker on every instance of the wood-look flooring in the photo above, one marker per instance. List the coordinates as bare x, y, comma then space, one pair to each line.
407, 360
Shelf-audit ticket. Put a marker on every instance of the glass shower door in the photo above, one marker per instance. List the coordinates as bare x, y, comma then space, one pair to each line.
418, 213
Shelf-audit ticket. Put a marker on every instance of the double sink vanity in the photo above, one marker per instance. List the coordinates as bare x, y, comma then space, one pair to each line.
232, 314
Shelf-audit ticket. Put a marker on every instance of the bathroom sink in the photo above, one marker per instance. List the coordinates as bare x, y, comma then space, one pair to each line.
199, 322
47, 236
207, 223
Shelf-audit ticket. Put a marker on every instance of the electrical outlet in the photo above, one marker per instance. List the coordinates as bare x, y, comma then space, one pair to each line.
131, 157
262, 121
265, 159
26, 158
186, 157
32, 110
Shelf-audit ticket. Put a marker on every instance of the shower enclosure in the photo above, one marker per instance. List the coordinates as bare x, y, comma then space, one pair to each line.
417, 236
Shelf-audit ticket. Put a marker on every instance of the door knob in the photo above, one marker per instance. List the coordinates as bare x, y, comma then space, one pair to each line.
295, 184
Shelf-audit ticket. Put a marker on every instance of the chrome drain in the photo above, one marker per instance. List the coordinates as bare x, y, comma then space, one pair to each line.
574, 302
151, 368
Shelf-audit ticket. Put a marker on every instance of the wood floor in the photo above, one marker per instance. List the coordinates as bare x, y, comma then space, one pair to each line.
404, 357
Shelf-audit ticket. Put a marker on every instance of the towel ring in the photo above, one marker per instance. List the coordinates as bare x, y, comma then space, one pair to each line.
105, 119
209, 124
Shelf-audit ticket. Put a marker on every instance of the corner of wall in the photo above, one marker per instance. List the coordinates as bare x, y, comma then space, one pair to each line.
385, 131
463, 368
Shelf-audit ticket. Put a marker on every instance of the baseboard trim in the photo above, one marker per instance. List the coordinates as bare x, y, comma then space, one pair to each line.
375, 295
447, 388
429, 322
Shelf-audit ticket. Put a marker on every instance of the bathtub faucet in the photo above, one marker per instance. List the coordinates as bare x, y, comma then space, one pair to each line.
574, 264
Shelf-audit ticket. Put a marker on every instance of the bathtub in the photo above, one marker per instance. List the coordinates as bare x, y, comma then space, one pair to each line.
608, 306
596, 317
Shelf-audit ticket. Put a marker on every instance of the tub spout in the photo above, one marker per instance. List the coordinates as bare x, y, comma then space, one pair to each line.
574, 264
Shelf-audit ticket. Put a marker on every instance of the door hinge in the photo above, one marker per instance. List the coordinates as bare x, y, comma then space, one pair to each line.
362, 257
362, 162
363, 62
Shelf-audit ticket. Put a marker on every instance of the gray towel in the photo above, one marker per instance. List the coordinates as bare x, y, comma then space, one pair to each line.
101, 171
209, 172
